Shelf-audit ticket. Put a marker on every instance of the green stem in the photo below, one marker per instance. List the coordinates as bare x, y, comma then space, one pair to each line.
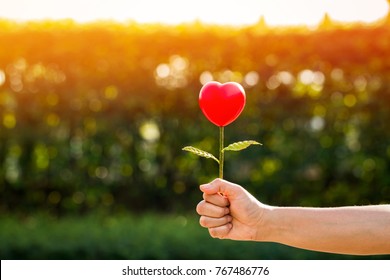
221, 154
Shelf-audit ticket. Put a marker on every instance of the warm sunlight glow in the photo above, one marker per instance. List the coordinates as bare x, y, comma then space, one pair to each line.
275, 12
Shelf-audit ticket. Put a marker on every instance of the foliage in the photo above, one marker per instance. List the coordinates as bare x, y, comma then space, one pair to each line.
93, 116
200, 153
241, 145
148, 236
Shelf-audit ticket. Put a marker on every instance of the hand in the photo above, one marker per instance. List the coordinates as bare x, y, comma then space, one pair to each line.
229, 211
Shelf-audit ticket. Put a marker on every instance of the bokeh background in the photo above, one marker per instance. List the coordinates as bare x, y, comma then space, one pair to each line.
93, 118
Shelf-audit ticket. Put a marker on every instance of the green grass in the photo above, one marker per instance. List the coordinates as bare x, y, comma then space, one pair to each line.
146, 236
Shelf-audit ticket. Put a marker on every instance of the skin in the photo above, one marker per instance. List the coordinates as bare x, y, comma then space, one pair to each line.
231, 212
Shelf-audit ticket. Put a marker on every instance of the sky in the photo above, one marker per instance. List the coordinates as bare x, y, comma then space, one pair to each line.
231, 12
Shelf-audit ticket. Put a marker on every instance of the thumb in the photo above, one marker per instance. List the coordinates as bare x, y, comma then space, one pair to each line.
223, 187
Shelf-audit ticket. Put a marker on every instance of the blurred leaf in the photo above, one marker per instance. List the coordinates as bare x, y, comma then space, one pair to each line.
200, 153
238, 146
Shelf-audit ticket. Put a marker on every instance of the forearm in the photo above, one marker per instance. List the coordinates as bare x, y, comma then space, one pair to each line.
358, 230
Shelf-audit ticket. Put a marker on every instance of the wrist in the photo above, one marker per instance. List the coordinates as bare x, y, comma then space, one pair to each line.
265, 225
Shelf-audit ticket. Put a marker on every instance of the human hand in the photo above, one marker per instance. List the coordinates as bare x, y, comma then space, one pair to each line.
229, 211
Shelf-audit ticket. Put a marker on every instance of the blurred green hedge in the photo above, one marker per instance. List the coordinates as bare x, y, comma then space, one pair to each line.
149, 236
93, 117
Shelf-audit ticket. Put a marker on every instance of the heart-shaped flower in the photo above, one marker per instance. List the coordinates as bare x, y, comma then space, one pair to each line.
222, 103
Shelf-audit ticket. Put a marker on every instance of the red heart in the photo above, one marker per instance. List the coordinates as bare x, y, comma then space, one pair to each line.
222, 103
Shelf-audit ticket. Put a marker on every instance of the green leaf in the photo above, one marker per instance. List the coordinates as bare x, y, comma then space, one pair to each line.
238, 146
200, 153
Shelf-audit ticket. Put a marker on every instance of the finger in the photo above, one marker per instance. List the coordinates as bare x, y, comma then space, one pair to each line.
207, 209
220, 232
208, 222
221, 186
216, 199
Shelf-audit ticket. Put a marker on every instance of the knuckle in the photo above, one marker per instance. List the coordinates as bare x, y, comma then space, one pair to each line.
222, 212
213, 232
200, 207
202, 221
217, 181
219, 232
